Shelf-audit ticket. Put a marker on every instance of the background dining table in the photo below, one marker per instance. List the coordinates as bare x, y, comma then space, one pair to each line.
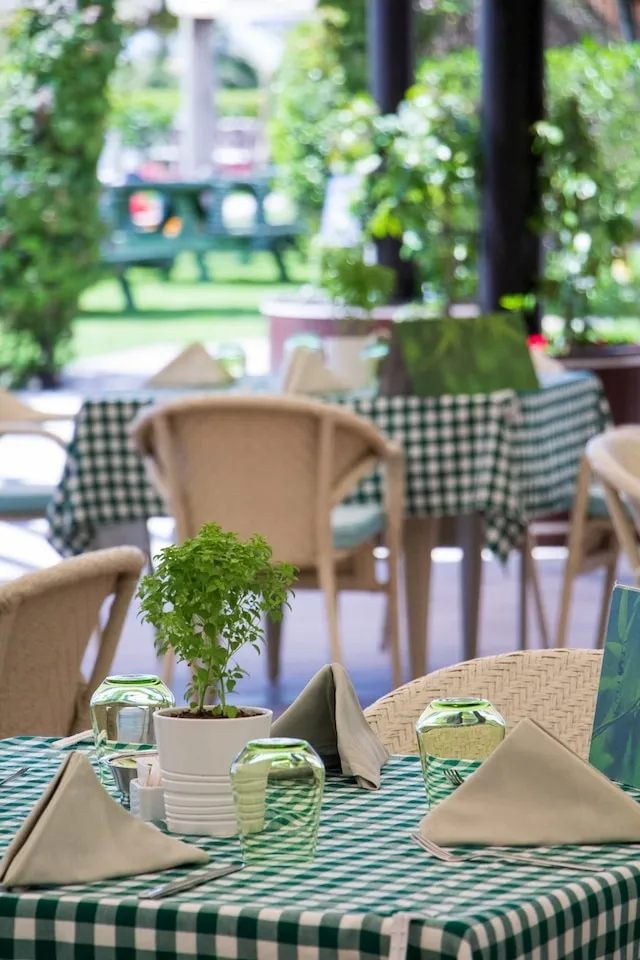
370, 893
492, 461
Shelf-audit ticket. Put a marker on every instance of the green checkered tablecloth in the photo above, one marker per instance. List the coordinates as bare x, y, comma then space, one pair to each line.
369, 885
508, 457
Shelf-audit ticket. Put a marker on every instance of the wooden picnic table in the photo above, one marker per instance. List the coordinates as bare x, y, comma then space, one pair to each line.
189, 216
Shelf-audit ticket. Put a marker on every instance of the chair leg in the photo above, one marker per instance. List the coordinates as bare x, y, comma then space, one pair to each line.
392, 625
575, 546
420, 537
609, 581
274, 636
327, 581
533, 579
525, 571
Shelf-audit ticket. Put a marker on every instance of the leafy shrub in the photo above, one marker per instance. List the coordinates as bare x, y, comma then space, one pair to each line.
58, 65
310, 87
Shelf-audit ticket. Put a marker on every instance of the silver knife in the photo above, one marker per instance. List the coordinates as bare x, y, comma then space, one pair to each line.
179, 886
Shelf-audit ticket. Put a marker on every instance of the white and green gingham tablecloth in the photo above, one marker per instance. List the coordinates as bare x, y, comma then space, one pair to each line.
369, 885
506, 456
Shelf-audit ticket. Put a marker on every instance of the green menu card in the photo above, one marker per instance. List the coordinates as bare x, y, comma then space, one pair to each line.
615, 741
434, 357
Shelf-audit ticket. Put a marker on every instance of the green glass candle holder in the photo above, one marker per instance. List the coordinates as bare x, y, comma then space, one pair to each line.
278, 785
455, 734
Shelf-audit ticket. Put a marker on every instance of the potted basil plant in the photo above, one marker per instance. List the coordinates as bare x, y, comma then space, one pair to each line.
207, 599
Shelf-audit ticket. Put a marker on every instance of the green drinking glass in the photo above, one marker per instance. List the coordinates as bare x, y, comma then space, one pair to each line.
455, 734
278, 785
122, 710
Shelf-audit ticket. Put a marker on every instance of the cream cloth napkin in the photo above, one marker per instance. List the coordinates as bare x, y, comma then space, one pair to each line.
328, 715
194, 367
77, 833
306, 372
534, 791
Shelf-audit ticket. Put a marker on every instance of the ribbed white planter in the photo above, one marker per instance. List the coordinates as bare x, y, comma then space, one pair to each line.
195, 759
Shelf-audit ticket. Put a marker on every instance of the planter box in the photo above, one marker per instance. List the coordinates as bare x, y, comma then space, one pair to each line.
289, 318
618, 367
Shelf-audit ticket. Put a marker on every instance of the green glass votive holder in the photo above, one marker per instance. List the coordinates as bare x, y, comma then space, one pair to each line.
278, 784
455, 735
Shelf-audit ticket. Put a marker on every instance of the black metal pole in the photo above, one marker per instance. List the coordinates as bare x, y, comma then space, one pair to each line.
390, 50
512, 51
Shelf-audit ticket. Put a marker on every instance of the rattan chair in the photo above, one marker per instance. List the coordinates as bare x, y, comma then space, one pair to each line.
614, 457
282, 467
557, 688
591, 545
46, 622
26, 501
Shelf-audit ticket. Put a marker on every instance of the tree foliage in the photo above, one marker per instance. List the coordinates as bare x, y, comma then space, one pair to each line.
207, 598
59, 60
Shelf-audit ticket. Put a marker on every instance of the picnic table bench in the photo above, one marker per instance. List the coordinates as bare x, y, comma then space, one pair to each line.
187, 216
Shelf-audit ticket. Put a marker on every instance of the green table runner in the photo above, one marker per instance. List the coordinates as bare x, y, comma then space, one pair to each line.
508, 457
368, 877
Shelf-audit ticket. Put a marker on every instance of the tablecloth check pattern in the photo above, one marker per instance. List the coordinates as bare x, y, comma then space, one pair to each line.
506, 456
368, 873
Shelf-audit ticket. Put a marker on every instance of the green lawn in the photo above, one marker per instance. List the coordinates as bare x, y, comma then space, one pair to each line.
182, 309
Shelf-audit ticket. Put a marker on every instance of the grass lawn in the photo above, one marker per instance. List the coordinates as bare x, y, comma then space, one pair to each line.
182, 309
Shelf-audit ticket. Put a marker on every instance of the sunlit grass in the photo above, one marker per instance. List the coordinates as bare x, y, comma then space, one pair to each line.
182, 309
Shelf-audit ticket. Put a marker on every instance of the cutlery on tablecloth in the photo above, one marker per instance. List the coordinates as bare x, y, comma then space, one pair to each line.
453, 777
488, 854
179, 886
14, 776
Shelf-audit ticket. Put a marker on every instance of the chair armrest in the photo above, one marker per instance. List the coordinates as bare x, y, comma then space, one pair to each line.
22, 428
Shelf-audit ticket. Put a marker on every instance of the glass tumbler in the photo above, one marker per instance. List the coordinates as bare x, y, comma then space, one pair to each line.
278, 786
122, 710
233, 359
455, 734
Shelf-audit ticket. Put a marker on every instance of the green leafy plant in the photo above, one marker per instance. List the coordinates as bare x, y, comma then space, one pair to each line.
584, 220
308, 89
355, 286
58, 64
206, 599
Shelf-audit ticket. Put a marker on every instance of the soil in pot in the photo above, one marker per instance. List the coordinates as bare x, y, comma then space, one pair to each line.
211, 715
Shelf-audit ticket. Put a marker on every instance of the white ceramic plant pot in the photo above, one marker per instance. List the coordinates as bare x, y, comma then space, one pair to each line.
199, 753
343, 356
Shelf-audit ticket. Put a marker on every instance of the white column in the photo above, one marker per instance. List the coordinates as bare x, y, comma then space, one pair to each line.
198, 89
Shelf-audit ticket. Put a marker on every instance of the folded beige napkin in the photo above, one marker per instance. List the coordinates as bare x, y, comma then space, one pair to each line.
534, 791
194, 367
306, 373
77, 833
328, 715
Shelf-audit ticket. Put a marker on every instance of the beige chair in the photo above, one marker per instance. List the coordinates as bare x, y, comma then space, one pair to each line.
614, 457
591, 545
46, 622
557, 688
282, 467
26, 501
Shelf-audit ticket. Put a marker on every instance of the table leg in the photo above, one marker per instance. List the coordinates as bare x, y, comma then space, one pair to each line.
132, 533
420, 537
471, 539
